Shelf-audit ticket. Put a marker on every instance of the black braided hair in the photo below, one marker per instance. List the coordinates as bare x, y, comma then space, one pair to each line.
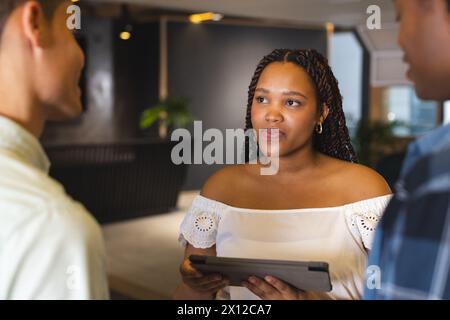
335, 139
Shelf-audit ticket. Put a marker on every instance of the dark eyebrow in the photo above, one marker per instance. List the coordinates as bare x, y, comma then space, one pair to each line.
262, 90
294, 93
286, 93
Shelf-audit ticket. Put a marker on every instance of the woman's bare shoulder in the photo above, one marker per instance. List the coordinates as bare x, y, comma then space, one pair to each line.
224, 184
365, 182
358, 181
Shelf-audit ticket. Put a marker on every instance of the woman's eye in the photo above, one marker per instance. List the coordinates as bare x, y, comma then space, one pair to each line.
292, 103
261, 99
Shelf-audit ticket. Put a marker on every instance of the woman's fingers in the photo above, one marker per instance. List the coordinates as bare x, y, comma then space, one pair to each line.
272, 288
255, 289
205, 280
187, 270
207, 286
285, 289
281, 286
261, 288
196, 280
215, 286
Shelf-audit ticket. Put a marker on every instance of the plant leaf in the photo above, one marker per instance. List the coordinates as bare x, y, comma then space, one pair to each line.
150, 116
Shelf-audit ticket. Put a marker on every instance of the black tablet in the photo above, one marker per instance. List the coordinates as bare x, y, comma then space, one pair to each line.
306, 276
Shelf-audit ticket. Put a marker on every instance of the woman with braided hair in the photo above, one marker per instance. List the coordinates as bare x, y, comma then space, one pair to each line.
334, 141
320, 205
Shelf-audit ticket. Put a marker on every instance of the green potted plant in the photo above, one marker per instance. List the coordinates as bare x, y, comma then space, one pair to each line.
172, 111
373, 139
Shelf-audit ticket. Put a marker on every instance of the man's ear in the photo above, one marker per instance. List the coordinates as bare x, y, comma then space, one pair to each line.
324, 112
33, 23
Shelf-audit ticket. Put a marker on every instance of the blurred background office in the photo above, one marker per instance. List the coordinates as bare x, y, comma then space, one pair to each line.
195, 59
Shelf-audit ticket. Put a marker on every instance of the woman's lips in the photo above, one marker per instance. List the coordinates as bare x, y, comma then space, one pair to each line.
273, 133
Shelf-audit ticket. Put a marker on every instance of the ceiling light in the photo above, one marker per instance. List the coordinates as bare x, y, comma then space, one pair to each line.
206, 16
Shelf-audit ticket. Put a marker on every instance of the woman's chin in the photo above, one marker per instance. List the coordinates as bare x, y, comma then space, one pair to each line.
279, 152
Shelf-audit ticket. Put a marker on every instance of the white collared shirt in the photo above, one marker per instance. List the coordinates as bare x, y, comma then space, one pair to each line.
50, 246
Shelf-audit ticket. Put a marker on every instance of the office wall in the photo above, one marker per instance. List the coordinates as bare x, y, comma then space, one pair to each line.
212, 65
136, 74
121, 81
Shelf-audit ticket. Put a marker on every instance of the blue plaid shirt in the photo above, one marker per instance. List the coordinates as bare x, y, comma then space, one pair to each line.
434, 141
412, 242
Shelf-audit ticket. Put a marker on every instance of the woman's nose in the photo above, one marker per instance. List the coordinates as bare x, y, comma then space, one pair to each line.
273, 115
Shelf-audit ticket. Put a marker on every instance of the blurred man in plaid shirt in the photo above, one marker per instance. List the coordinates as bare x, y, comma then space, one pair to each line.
412, 244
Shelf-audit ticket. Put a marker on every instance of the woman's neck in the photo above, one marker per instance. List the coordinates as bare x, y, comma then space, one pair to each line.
303, 160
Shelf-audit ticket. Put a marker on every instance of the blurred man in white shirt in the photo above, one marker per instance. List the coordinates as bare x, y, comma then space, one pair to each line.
50, 246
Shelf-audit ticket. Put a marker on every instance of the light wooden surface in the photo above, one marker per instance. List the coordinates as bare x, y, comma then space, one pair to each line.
144, 254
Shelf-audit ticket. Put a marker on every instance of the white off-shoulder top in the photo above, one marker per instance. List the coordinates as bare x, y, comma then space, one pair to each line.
339, 235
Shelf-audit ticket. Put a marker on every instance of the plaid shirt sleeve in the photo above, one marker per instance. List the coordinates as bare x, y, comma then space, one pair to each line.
412, 245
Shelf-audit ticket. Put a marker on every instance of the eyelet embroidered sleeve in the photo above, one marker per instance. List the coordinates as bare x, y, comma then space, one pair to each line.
363, 217
199, 227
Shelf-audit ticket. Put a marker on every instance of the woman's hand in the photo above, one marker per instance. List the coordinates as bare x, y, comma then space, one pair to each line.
207, 284
271, 288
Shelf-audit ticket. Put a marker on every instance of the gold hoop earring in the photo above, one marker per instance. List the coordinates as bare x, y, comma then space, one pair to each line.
319, 128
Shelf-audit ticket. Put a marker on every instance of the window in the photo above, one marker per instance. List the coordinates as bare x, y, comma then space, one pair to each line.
411, 116
346, 60
446, 112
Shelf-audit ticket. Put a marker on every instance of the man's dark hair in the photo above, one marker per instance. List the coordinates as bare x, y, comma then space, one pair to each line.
448, 5
8, 6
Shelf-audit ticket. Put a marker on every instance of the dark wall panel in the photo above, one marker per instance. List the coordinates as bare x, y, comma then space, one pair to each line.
136, 74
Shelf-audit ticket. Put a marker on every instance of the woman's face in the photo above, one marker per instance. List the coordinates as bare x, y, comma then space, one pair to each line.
285, 99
